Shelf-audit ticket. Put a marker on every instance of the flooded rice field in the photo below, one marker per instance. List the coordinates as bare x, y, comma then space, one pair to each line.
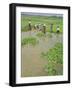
32, 64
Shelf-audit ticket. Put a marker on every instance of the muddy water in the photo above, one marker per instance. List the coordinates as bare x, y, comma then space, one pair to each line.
32, 64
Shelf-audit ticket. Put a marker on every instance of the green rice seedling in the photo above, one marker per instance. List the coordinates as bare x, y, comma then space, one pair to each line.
55, 60
40, 34
29, 40
49, 35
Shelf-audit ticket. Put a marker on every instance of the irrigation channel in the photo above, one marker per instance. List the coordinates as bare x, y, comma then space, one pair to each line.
32, 64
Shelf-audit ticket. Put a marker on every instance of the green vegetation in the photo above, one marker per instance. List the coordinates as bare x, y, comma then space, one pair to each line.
25, 28
42, 20
54, 56
40, 34
29, 40
49, 35
55, 60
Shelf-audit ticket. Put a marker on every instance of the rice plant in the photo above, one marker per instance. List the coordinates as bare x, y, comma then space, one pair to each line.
55, 60
29, 40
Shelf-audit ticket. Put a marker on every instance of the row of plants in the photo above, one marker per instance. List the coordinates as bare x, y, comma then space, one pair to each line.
31, 40
55, 60
41, 34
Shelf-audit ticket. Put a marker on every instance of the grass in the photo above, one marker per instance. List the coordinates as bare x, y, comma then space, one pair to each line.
29, 40
42, 20
55, 60
40, 34
49, 35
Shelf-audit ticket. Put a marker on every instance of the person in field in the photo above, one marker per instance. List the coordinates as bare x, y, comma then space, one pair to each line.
30, 26
58, 29
51, 28
40, 27
44, 29
35, 27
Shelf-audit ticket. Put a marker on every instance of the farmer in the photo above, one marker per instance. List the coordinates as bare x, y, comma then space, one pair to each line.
30, 26
57, 29
35, 26
40, 27
44, 28
51, 28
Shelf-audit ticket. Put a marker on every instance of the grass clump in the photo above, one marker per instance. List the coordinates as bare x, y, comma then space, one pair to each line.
29, 40
40, 34
55, 60
49, 35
